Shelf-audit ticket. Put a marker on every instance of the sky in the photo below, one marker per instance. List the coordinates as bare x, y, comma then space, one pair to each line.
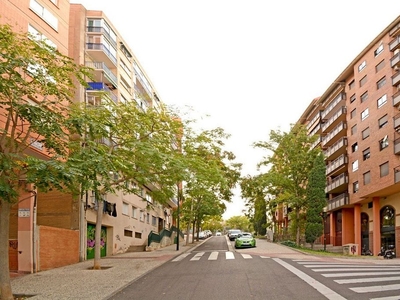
248, 67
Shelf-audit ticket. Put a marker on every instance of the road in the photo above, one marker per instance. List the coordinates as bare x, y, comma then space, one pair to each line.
215, 270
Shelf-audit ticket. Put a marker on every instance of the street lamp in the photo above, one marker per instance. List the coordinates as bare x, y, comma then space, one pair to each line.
324, 216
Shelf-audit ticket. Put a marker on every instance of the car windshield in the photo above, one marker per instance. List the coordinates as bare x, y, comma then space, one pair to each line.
245, 235
235, 231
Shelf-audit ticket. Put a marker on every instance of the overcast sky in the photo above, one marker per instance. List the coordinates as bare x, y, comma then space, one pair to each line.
253, 66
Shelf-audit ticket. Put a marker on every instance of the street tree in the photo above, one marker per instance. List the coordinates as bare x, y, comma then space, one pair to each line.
316, 200
36, 86
239, 222
254, 192
119, 148
289, 160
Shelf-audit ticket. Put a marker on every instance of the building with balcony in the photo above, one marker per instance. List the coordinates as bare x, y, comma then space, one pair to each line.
357, 119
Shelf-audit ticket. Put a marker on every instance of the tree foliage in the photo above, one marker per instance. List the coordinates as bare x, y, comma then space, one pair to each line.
239, 222
291, 157
316, 200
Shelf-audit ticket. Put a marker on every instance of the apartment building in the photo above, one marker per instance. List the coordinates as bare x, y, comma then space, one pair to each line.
357, 122
54, 229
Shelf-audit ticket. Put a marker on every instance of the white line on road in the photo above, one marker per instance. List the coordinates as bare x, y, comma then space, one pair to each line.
324, 290
376, 288
345, 266
387, 298
352, 269
213, 256
180, 257
197, 256
362, 280
229, 255
246, 256
264, 256
359, 274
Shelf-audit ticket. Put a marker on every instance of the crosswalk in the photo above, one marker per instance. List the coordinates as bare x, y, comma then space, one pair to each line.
377, 281
214, 255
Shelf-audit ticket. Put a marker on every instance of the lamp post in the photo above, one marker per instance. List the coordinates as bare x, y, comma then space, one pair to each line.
324, 216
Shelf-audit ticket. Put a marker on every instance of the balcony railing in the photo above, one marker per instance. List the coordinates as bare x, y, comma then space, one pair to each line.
342, 179
396, 99
97, 46
102, 66
396, 79
397, 174
103, 31
340, 112
101, 86
341, 126
335, 147
334, 103
394, 43
337, 163
338, 201
395, 60
396, 144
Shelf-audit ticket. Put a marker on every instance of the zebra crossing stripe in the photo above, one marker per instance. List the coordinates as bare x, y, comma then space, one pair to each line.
360, 274
213, 256
324, 290
246, 256
197, 256
387, 298
180, 257
229, 255
346, 266
347, 269
362, 280
376, 288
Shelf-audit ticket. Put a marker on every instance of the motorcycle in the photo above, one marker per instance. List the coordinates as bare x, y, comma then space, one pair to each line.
387, 253
366, 251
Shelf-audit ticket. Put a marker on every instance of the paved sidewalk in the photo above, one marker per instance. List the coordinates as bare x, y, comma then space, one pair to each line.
79, 281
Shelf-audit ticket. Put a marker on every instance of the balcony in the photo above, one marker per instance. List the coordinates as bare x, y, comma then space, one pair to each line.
314, 121
340, 115
396, 99
395, 60
396, 122
395, 43
100, 52
336, 165
316, 143
334, 135
101, 86
339, 201
395, 30
397, 174
396, 79
336, 149
333, 105
337, 184
103, 31
396, 145
103, 73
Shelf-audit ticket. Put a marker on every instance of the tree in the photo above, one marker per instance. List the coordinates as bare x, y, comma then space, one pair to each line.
36, 86
290, 161
121, 147
316, 200
239, 222
254, 191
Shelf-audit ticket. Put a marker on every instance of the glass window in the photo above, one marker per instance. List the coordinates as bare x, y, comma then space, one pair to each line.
362, 66
134, 212
380, 66
384, 169
355, 187
355, 165
354, 129
382, 100
44, 13
383, 121
363, 80
352, 98
384, 143
366, 154
125, 208
364, 114
365, 133
354, 147
153, 221
378, 50
351, 84
353, 113
364, 97
367, 177
381, 83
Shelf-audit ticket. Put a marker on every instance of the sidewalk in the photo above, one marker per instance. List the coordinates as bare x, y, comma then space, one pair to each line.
79, 281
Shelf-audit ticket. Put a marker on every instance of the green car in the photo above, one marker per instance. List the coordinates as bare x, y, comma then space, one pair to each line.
245, 240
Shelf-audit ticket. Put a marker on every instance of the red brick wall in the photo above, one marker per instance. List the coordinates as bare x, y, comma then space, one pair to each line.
57, 247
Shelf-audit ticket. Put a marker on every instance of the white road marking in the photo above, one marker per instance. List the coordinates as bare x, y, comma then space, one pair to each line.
197, 256
229, 255
376, 288
324, 290
352, 269
213, 256
387, 298
180, 257
362, 280
360, 274
246, 256
264, 256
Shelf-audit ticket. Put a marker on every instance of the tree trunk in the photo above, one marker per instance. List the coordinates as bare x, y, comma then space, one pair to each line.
97, 236
298, 227
5, 283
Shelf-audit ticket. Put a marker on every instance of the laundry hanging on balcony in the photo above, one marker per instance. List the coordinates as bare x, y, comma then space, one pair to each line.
110, 208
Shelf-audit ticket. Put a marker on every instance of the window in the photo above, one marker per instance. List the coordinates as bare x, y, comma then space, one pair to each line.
381, 82
148, 218
353, 113
383, 143
354, 147
44, 13
138, 235
128, 233
365, 133
353, 98
351, 84
125, 208
134, 212
364, 114
54, 1
384, 169
383, 121
367, 177
380, 66
141, 216
382, 101
355, 187
366, 154
364, 97
378, 50
153, 221
355, 165
362, 66
363, 80
149, 198
354, 130
38, 36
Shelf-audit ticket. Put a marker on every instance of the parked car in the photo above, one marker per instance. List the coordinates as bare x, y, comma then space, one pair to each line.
208, 233
245, 240
218, 233
202, 235
233, 233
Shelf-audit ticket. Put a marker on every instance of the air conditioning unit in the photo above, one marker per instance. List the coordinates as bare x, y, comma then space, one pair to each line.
396, 68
